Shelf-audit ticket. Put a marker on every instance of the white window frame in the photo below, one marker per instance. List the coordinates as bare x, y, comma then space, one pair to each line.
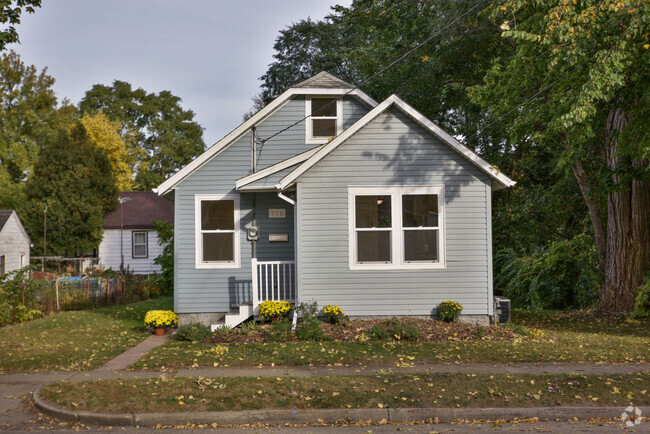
146, 245
309, 139
198, 238
397, 229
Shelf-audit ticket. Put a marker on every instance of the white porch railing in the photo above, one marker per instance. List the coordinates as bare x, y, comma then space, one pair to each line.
274, 281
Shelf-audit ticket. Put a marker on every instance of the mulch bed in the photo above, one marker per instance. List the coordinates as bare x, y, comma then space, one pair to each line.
430, 331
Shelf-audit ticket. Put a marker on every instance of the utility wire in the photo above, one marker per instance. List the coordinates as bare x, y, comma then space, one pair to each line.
382, 70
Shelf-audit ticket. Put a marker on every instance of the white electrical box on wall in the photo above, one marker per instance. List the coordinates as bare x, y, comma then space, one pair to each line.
274, 238
277, 213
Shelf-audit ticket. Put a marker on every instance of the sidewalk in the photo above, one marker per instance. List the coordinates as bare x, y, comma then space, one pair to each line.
24, 383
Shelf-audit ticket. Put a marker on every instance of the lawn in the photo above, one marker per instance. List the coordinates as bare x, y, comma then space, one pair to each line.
541, 337
168, 394
75, 340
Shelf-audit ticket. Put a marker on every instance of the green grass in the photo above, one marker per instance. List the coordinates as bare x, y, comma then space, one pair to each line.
545, 337
165, 394
75, 340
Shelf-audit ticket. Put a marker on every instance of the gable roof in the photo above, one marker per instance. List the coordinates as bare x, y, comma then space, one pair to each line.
326, 81
499, 180
304, 88
139, 210
5, 215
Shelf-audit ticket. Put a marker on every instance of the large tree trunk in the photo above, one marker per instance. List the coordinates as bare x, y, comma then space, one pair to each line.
628, 227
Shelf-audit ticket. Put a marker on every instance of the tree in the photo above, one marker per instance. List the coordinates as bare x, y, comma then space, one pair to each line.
302, 50
165, 231
26, 123
104, 134
166, 135
583, 70
10, 13
74, 179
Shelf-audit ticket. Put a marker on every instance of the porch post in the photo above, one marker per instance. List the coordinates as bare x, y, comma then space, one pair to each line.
256, 299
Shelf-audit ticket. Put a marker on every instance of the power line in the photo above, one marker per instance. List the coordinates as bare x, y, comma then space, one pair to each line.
382, 70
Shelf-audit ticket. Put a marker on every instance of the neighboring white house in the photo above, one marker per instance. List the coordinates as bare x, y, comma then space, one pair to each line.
14, 242
129, 232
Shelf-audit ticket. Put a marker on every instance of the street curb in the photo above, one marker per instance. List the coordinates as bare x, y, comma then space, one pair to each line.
393, 415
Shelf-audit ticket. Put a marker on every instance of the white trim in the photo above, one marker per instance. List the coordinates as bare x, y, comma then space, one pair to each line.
309, 138
492, 171
248, 179
198, 239
246, 126
134, 244
397, 245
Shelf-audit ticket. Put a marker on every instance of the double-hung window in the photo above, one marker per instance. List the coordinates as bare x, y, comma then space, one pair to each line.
324, 119
396, 227
217, 231
140, 248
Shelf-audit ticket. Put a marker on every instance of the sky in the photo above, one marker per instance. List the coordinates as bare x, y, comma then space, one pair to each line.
210, 53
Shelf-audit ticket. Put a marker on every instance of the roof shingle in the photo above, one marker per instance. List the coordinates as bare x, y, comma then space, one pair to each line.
139, 210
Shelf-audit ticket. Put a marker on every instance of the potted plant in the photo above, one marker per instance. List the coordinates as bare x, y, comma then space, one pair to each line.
159, 320
275, 310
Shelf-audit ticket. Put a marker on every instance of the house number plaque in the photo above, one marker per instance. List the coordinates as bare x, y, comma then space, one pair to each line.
277, 213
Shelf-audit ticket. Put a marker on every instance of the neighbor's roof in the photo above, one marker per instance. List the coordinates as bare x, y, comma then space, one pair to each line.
5, 214
499, 180
307, 87
139, 211
4, 217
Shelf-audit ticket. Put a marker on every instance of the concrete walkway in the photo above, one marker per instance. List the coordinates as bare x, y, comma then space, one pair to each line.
14, 415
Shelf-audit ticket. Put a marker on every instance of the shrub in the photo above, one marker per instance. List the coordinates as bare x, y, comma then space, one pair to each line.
249, 326
165, 279
223, 330
335, 314
160, 319
379, 333
280, 331
274, 310
642, 304
449, 311
20, 297
394, 329
193, 332
564, 275
401, 331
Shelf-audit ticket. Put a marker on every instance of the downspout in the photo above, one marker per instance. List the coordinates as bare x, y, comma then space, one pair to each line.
253, 170
294, 321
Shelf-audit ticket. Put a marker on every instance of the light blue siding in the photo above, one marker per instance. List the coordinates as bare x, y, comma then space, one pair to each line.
393, 150
215, 290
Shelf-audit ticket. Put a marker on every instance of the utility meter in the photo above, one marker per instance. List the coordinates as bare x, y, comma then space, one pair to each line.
253, 233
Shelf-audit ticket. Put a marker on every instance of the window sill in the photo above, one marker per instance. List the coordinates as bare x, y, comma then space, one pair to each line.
397, 267
216, 265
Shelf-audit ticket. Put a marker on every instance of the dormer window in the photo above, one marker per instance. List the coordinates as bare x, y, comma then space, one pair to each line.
325, 119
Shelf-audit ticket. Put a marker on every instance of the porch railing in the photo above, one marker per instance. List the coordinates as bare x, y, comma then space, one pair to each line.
274, 281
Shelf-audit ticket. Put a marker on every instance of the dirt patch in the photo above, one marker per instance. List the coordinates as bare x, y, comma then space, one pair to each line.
360, 330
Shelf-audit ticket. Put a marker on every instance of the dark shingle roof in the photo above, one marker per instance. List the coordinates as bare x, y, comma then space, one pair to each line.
325, 80
4, 216
140, 210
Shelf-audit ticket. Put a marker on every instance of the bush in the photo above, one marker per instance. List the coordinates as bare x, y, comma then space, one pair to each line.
20, 297
160, 319
165, 279
335, 314
642, 304
309, 325
274, 310
280, 331
378, 333
449, 311
563, 275
193, 332
394, 329
248, 326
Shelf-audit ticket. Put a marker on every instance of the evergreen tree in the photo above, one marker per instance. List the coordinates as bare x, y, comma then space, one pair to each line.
74, 179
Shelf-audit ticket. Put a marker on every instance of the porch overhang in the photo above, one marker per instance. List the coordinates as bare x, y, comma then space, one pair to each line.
266, 180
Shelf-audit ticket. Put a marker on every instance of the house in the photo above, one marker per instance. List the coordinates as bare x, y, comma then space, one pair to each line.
130, 238
326, 195
14, 242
